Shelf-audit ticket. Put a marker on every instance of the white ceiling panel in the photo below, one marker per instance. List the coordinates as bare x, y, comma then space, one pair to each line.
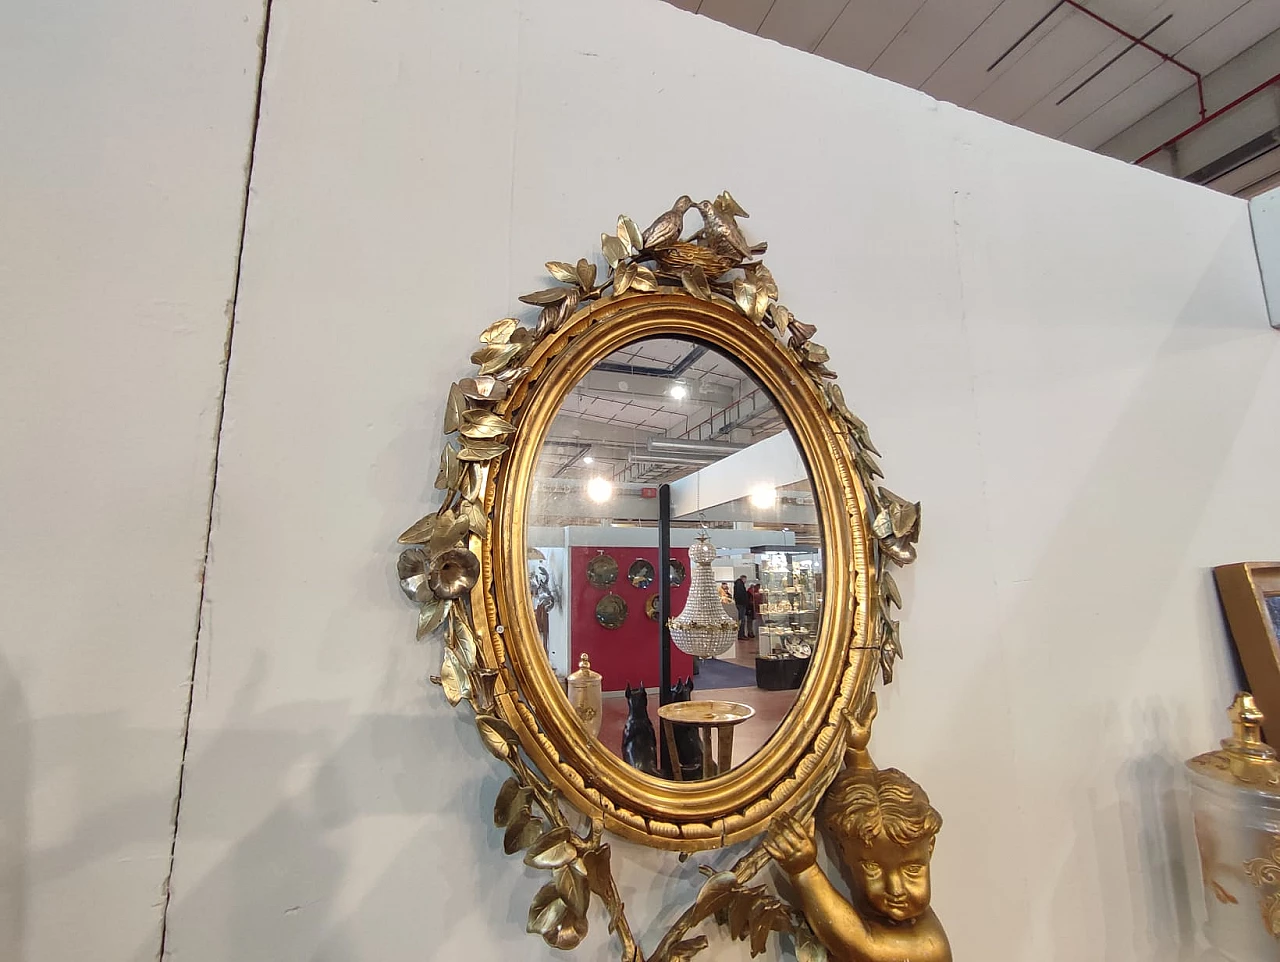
865, 29
1055, 57
1232, 35
746, 15
801, 23
946, 48
964, 74
938, 29
1153, 89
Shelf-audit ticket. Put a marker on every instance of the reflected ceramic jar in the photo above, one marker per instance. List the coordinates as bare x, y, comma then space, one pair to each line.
585, 695
1235, 795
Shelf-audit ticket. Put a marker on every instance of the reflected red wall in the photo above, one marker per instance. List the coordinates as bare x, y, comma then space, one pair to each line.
629, 654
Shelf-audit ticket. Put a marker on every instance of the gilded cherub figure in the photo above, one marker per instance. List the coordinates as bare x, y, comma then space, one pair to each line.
885, 829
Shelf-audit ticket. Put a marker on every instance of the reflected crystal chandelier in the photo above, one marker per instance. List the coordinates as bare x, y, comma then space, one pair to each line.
702, 629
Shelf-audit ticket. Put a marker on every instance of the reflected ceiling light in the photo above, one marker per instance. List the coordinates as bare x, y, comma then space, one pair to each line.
764, 496
689, 459
599, 490
688, 445
588, 460
679, 391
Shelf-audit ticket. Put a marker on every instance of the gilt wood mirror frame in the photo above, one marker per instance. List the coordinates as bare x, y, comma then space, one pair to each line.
467, 571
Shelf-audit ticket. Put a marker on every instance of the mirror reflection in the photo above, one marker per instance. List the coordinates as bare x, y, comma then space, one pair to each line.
745, 574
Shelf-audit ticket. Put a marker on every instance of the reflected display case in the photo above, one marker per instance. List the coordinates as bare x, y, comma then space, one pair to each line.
791, 600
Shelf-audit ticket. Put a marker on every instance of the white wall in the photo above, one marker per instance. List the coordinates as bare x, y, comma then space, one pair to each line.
1065, 358
124, 133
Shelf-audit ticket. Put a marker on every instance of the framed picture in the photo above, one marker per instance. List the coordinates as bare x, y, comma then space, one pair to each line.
1250, 593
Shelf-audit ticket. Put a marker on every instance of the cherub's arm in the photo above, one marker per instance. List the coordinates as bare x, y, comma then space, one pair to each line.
834, 921
856, 755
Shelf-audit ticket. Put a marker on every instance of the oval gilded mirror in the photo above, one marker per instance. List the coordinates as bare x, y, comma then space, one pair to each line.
666, 412
676, 412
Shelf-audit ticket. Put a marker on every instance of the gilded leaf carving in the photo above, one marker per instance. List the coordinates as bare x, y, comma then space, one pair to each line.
499, 331
454, 405
420, 531
482, 424
552, 295
564, 273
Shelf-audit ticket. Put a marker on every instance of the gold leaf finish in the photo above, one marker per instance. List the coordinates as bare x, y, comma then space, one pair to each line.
481, 424
499, 332
564, 273
468, 579
552, 295
454, 405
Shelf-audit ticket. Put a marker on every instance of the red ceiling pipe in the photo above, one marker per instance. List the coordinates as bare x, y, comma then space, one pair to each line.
1213, 116
1146, 46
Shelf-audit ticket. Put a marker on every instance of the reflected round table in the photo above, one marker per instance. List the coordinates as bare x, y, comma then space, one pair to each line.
708, 716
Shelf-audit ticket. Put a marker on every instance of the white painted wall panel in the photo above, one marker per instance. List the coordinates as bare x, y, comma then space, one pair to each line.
126, 130
1065, 358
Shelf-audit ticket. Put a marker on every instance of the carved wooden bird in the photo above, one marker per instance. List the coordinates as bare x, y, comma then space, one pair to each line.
667, 228
721, 231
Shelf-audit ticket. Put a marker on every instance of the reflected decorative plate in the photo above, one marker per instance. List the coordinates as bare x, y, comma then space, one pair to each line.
676, 573
640, 574
602, 571
651, 608
611, 611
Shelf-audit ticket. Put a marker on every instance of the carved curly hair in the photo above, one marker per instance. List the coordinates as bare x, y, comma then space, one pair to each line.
885, 801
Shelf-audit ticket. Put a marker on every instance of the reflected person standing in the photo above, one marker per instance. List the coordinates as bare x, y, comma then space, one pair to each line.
742, 601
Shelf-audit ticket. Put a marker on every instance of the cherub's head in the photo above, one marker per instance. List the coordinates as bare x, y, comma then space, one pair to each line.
885, 828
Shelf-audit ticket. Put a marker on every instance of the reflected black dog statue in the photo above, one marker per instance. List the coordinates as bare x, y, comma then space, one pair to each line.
639, 743
688, 742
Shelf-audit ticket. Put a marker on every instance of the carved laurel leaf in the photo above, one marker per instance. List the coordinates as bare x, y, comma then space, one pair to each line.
744, 293
629, 234
552, 295
497, 736
614, 250
512, 374
626, 273
481, 450
454, 405
482, 424
554, 849
764, 280
562, 272
495, 357
431, 616
464, 642
890, 589
553, 919
522, 832
599, 874
469, 486
449, 530
512, 797
571, 883
420, 531
453, 678
447, 476
499, 332
476, 518
694, 280
645, 280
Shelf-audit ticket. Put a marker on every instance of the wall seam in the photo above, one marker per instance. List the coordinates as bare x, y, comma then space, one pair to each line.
233, 303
